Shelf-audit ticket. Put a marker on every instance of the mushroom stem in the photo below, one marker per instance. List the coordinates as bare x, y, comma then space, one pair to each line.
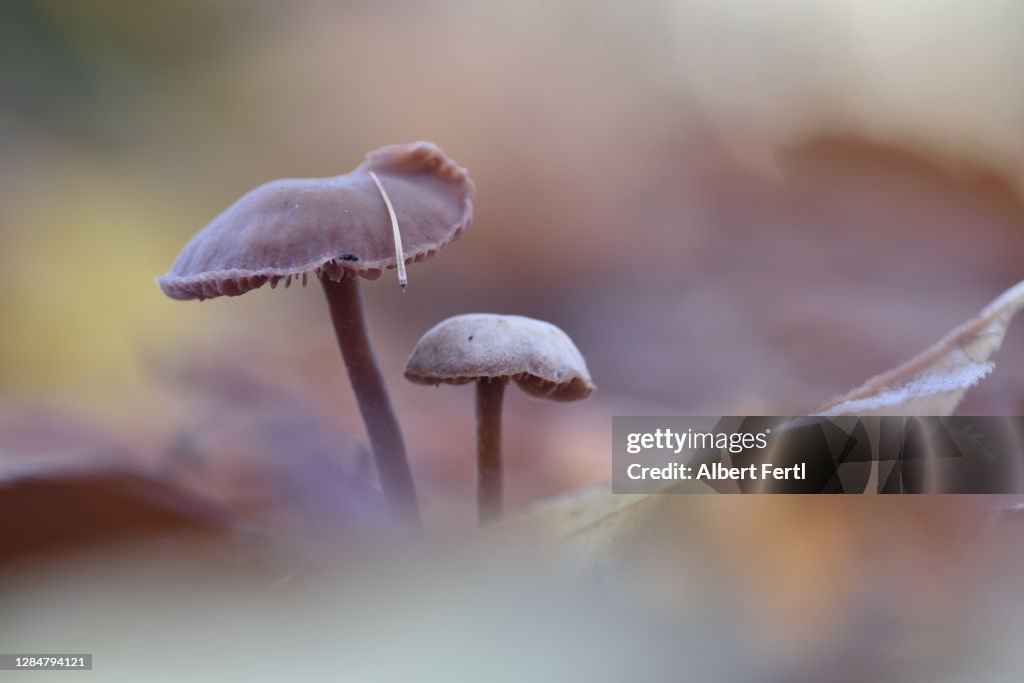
489, 396
346, 304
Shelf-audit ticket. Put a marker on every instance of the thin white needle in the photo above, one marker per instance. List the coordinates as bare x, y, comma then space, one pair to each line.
399, 254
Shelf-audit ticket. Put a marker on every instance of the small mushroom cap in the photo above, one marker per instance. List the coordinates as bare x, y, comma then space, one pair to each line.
540, 357
338, 226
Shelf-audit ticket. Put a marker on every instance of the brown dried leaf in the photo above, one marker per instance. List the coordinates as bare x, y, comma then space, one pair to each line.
66, 486
934, 382
59, 505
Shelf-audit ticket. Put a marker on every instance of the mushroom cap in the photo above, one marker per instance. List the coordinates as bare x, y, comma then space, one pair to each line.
540, 357
338, 226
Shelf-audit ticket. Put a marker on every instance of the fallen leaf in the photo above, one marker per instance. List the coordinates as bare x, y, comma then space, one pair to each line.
66, 486
592, 525
600, 528
935, 381
57, 506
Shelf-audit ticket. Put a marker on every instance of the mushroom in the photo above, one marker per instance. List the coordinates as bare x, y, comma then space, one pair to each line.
492, 350
337, 230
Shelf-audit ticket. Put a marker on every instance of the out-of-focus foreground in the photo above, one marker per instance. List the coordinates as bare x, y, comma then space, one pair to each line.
731, 206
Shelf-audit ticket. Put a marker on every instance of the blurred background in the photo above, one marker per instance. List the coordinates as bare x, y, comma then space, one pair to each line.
732, 206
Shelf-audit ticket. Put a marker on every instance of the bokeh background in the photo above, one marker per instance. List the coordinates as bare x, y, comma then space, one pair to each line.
732, 206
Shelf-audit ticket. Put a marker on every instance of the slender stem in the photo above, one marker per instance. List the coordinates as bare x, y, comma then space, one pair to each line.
489, 395
346, 305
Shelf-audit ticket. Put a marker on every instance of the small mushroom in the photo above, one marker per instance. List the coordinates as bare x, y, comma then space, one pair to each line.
337, 230
492, 350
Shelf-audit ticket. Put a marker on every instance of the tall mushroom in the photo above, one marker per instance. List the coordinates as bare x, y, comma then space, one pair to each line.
403, 199
493, 350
